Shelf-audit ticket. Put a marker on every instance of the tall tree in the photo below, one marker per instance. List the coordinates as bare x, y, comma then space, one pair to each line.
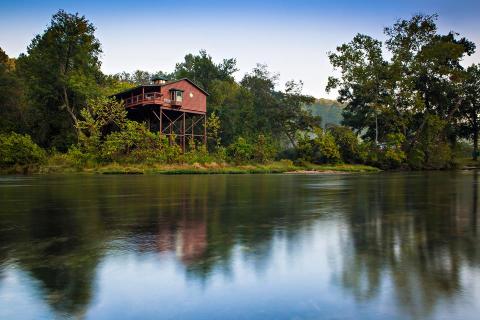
470, 108
292, 116
62, 70
140, 77
11, 96
415, 93
202, 70
363, 84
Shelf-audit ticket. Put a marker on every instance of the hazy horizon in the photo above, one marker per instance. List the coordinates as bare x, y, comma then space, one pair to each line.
292, 38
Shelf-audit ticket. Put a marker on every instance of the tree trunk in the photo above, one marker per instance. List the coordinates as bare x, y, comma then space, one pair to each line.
71, 112
290, 137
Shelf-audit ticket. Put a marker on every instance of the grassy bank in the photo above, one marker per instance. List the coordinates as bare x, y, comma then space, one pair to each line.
196, 168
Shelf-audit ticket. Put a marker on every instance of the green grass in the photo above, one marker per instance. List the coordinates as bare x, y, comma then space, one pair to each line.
60, 167
214, 168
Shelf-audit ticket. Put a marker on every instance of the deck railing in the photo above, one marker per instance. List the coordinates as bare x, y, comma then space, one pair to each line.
150, 98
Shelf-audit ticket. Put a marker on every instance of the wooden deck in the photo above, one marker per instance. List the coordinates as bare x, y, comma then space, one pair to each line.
151, 98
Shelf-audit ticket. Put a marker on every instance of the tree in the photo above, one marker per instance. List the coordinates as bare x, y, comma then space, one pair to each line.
140, 77
276, 113
362, 85
470, 108
61, 70
292, 116
202, 70
11, 96
412, 93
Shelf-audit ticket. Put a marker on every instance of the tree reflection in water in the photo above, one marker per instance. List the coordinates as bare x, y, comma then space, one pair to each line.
416, 232
413, 233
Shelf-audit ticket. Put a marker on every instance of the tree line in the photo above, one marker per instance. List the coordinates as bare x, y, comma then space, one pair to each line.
410, 110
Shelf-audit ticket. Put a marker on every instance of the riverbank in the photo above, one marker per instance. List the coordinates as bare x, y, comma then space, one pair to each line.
196, 168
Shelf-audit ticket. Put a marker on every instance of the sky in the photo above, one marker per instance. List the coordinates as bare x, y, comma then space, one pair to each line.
291, 37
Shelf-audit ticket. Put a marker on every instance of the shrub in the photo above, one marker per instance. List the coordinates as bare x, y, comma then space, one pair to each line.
348, 144
305, 148
388, 155
328, 151
19, 149
440, 156
240, 151
416, 158
263, 150
197, 154
321, 149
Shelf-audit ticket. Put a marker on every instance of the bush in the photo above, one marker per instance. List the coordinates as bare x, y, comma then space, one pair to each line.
440, 156
388, 155
321, 149
19, 149
263, 150
240, 151
416, 158
348, 144
197, 154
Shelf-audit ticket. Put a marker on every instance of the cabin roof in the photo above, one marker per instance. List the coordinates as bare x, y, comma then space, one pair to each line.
162, 85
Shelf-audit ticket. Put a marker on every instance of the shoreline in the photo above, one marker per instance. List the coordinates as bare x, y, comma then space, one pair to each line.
279, 167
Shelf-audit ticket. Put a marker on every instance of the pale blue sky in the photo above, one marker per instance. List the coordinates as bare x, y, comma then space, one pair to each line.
291, 37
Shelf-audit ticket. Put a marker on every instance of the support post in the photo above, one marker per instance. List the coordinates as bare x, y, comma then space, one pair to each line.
205, 129
171, 124
161, 116
183, 133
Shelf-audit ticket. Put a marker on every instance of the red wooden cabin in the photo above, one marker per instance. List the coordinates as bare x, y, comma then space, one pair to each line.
175, 108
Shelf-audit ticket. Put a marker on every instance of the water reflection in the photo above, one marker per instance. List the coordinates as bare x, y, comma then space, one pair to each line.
373, 246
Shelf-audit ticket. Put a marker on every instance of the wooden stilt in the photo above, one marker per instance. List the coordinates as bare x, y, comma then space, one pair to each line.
205, 129
183, 133
161, 116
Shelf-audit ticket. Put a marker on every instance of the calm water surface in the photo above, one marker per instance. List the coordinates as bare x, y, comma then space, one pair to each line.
378, 246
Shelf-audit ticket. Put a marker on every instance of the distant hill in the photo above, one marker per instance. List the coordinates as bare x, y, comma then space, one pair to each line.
329, 110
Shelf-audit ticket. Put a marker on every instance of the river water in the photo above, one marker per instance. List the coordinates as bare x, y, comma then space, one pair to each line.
373, 246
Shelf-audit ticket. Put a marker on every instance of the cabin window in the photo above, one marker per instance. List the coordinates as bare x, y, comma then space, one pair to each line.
177, 95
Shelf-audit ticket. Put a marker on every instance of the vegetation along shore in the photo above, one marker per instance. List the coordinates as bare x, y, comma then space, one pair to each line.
417, 109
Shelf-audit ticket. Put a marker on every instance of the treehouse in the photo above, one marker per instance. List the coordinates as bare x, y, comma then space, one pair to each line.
177, 109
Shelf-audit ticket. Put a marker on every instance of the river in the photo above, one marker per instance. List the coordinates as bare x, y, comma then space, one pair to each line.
360, 246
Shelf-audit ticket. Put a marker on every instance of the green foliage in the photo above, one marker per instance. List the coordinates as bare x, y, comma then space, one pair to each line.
441, 156
328, 151
107, 135
321, 148
431, 150
407, 96
469, 124
61, 70
263, 150
140, 77
393, 156
199, 154
213, 129
11, 96
388, 155
19, 149
240, 151
420, 83
348, 144
203, 71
